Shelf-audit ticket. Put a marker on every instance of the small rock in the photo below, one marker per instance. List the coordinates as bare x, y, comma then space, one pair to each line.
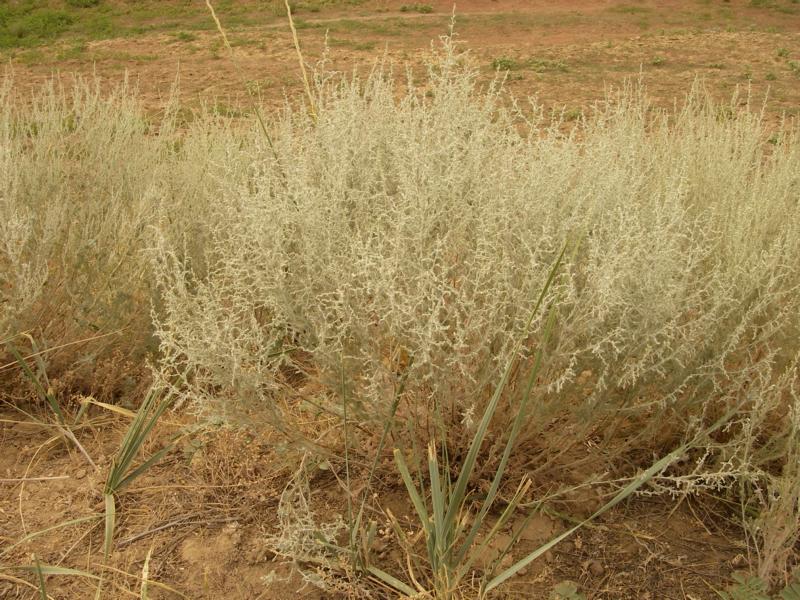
538, 529
739, 562
595, 568
492, 552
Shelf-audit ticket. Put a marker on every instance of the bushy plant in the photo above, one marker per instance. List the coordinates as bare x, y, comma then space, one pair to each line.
400, 236
387, 229
82, 178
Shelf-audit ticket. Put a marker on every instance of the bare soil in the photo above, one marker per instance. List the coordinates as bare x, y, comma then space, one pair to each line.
569, 52
206, 512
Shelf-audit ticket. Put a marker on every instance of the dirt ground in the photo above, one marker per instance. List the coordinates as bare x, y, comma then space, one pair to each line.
204, 513
565, 53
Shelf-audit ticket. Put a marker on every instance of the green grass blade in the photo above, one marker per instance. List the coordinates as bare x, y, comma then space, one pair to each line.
43, 394
348, 485
629, 489
128, 449
416, 500
141, 425
392, 581
145, 419
519, 419
40, 579
438, 505
36, 534
128, 479
111, 515
621, 495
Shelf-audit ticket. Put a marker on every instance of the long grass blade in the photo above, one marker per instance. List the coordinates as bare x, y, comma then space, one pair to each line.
519, 419
312, 111
621, 495
157, 456
145, 419
256, 109
438, 505
624, 493
388, 425
347, 440
509, 510
111, 516
40, 579
31, 376
392, 581
36, 534
416, 500
38, 353
51, 570
143, 595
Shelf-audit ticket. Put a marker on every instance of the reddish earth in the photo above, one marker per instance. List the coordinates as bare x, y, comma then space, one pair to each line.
206, 511
578, 47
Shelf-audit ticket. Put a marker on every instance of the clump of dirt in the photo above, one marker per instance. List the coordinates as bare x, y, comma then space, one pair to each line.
205, 514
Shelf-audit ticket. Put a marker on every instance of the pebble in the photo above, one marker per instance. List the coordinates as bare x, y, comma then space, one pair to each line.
739, 562
596, 569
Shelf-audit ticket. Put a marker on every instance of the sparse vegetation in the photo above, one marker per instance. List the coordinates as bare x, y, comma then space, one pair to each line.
538, 65
662, 314
417, 7
355, 45
21, 28
33, 23
630, 9
185, 36
505, 64
82, 3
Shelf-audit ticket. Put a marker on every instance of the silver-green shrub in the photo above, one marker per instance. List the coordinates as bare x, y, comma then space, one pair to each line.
86, 177
405, 233
422, 225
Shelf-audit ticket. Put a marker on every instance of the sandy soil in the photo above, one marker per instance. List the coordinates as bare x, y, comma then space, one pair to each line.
569, 52
205, 514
